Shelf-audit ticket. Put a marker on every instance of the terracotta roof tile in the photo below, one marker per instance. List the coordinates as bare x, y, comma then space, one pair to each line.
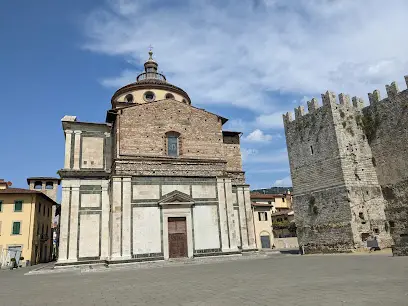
25, 191
266, 196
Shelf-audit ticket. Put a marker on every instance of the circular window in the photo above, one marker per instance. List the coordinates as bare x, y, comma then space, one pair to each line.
148, 96
169, 96
129, 98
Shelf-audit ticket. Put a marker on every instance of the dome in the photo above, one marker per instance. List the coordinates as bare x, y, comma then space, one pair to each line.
150, 86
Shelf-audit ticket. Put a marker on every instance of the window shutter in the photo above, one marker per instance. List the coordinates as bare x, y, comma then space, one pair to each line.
16, 228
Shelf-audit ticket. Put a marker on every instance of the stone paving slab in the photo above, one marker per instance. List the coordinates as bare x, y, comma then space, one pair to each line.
270, 280
145, 264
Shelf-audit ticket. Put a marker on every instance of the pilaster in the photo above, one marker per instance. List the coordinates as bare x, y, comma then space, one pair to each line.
64, 220
242, 217
68, 141
108, 154
126, 217
73, 228
105, 236
233, 243
77, 149
250, 218
222, 208
116, 218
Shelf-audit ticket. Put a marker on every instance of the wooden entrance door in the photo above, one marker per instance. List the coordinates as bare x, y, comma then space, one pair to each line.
265, 242
177, 237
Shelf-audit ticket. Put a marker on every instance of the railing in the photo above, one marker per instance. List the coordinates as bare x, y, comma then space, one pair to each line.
151, 75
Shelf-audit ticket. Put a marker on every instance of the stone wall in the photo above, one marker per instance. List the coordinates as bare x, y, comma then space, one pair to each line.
337, 198
323, 220
313, 150
232, 151
386, 125
142, 130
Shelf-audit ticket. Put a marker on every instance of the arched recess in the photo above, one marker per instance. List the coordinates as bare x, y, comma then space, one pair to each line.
265, 239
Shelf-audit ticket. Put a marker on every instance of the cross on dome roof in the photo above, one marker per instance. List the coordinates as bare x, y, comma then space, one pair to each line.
150, 72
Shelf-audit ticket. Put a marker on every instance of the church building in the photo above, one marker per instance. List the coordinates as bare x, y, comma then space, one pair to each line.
159, 179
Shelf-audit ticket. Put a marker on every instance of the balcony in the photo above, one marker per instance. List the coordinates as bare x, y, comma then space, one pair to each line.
151, 75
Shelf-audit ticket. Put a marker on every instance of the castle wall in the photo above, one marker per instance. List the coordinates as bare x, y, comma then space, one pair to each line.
313, 151
323, 220
364, 193
386, 126
322, 213
333, 176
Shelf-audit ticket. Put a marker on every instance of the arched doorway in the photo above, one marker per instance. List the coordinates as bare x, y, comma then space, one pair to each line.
265, 240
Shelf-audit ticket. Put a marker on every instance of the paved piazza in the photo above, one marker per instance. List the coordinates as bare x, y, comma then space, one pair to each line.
374, 279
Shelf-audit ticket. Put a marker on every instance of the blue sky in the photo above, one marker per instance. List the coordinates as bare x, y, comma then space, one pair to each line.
249, 61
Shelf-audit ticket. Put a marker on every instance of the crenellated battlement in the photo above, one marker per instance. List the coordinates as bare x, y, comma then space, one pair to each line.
348, 164
329, 100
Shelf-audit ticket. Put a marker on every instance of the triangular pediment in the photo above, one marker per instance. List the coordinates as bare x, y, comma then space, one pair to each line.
176, 198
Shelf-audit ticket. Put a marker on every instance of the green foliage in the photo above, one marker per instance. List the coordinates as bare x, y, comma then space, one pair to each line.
369, 124
344, 124
342, 115
350, 130
292, 227
281, 224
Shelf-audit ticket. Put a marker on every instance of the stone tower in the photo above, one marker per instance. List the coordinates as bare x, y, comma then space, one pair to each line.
47, 185
338, 201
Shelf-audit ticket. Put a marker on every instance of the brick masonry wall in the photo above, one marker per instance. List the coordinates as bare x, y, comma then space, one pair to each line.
142, 130
232, 154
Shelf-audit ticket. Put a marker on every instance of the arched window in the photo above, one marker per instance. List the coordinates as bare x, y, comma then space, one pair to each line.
49, 185
129, 98
173, 144
169, 96
38, 185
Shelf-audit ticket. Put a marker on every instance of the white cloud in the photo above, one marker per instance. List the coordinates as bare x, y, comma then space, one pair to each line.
247, 153
284, 182
236, 125
270, 156
272, 121
258, 55
258, 136
221, 55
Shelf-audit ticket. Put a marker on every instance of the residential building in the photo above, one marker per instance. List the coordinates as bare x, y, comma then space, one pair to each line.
263, 225
279, 202
159, 179
25, 224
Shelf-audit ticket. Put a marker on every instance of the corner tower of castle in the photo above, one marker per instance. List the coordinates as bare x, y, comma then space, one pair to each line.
349, 171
